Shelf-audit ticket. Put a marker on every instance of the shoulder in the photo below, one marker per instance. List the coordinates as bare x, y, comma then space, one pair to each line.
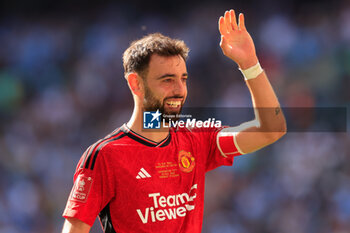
100, 148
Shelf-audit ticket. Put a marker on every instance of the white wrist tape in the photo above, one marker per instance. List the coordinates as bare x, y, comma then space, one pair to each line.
252, 72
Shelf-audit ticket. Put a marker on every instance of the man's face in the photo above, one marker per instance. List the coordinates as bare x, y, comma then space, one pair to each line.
165, 85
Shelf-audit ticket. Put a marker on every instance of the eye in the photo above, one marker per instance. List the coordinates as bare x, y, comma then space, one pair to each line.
184, 80
167, 80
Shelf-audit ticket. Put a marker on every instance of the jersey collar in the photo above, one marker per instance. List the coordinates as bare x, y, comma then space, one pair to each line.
139, 138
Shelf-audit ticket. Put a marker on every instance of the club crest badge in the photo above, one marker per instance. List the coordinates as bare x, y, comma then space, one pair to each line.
186, 161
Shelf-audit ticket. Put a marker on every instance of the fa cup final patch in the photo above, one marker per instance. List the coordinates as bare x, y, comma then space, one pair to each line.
81, 188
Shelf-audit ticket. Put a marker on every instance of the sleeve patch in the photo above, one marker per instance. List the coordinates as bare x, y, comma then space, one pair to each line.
81, 189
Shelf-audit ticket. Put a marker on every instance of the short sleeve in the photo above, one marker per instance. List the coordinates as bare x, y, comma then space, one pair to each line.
92, 190
215, 155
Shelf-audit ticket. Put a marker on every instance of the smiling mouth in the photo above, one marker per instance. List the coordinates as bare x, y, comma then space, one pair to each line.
173, 104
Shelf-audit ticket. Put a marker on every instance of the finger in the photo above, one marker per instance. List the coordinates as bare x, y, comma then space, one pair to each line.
233, 20
241, 23
222, 26
228, 21
224, 45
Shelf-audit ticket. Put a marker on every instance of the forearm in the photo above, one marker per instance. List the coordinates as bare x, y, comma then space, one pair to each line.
269, 125
266, 106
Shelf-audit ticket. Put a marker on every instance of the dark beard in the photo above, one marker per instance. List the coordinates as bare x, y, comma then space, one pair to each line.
152, 104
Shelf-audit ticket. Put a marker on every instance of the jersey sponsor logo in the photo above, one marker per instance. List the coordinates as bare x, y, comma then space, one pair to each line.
186, 161
81, 188
143, 174
168, 207
151, 120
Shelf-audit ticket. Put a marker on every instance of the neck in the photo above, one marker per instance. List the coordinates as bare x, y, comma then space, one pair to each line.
136, 124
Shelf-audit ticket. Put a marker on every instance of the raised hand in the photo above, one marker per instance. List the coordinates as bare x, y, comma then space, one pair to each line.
236, 43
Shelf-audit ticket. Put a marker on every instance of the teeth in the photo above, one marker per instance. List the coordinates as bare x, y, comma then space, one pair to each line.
174, 103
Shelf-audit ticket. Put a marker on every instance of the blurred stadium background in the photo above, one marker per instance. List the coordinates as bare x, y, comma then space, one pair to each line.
62, 88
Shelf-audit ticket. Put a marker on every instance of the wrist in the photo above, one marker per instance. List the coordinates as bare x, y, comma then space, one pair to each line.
252, 72
249, 63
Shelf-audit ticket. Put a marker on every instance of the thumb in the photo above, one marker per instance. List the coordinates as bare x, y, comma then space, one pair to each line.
224, 45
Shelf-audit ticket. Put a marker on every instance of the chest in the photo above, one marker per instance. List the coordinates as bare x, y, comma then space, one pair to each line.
165, 170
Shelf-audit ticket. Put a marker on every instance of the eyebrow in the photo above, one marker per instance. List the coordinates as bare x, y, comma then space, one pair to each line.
171, 75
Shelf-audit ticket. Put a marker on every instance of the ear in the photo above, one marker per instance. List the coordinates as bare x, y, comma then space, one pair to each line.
135, 84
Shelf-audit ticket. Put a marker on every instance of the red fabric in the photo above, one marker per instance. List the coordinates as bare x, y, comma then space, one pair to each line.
168, 197
228, 146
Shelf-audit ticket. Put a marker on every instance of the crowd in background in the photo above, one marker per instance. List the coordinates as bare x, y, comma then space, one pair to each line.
62, 88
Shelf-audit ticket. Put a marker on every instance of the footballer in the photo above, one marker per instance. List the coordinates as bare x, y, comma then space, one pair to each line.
138, 180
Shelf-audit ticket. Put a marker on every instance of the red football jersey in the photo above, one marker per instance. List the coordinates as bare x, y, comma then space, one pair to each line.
136, 185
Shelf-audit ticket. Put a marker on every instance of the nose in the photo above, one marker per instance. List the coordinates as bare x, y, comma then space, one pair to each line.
180, 88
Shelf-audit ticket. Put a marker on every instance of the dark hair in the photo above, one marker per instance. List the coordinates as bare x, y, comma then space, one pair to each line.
136, 58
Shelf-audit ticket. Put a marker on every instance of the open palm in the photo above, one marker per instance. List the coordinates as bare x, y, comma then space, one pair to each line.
236, 43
